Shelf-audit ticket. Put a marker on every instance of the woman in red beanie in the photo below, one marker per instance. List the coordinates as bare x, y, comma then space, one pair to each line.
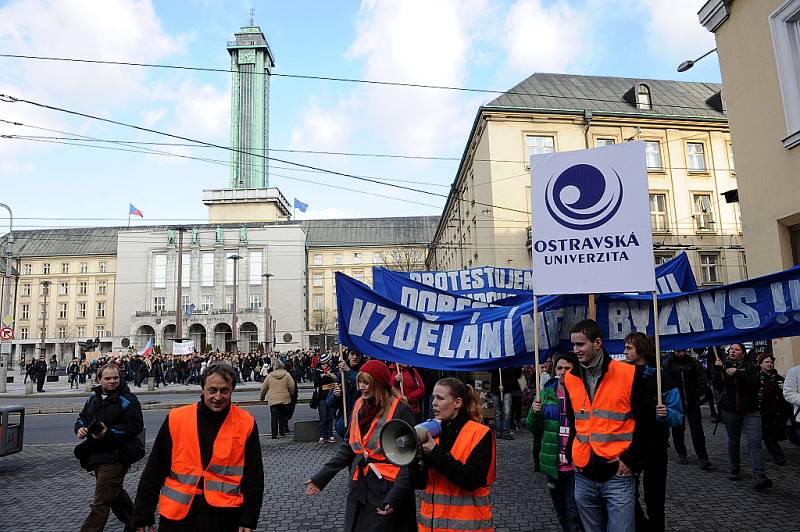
380, 497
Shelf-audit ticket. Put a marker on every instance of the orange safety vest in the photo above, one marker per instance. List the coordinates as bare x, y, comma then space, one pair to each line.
606, 424
447, 507
223, 476
369, 445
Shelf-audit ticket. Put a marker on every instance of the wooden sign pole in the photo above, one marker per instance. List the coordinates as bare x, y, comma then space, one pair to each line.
658, 349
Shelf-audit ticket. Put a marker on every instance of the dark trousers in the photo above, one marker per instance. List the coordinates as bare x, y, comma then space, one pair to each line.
40, 382
750, 424
562, 492
771, 429
653, 479
695, 419
279, 417
109, 495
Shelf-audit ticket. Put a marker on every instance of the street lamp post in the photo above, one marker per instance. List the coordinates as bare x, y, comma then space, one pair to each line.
6, 310
689, 63
234, 326
267, 316
46, 288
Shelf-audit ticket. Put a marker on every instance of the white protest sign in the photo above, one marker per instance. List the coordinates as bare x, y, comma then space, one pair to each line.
591, 221
183, 348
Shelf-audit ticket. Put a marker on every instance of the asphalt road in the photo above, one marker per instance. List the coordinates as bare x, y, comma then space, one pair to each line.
47, 429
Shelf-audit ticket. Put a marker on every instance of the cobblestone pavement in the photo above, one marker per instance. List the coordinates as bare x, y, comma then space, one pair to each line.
43, 489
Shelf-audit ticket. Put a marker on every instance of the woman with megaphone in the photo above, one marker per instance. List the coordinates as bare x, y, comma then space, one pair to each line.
458, 466
380, 497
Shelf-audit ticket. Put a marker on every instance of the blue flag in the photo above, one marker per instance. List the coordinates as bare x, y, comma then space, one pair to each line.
299, 205
190, 310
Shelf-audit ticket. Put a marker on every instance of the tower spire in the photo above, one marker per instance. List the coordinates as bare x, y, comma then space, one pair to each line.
252, 16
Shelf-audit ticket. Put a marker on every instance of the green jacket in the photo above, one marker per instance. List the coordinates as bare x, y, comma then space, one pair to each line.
547, 423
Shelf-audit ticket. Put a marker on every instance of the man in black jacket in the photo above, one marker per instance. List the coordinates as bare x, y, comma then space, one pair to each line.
110, 423
689, 377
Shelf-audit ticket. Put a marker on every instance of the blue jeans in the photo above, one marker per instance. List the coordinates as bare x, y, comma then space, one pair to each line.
750, 424
605, 506
502, 412
325, 420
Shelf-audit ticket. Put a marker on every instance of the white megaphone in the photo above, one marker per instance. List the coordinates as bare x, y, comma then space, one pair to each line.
402, 443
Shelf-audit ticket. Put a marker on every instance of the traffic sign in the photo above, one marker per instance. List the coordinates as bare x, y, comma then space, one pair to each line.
8, 320
6, 333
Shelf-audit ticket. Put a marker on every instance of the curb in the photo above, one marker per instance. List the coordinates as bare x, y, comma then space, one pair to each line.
43, 411
82, 393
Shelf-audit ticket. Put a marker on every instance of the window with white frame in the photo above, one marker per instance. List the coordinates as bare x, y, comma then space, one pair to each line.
184, 304
44, 311
229, 265
159, 303
743, 265
600, 142
659, 216
695, 157
102, 266
81, 309
101, 309
80, 331
102, 287
256, 258
709, 268
65, 267
186, 270
46, 268
62, 311
26, 289
785, 26
100, 331
652, 150
703, 215
207, 269
207, 303
730, 158
358, 258
318, 259
62, 333
84, 267
662, 258
319, 280
256, 302
229, 302
63, 288
159, 271
643, 97
539, 144
337, 258
23, 333
83, 287
27, 269
319, 302
44, 288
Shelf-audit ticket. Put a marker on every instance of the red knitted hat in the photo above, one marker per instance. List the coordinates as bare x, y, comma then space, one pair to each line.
378, 371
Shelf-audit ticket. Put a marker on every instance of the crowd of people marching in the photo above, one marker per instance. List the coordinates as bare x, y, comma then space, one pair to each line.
601, 429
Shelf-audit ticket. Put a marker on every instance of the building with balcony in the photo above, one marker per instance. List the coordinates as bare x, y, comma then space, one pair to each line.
486, 220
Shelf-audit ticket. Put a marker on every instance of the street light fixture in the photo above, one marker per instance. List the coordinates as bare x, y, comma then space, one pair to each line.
689, 63
267, 316
234, 326
5, 310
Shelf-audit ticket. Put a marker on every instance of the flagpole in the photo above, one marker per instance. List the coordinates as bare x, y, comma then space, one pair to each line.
658, 349
129, 217
536, 366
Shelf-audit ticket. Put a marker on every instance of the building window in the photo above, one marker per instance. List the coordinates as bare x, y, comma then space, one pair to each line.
46, 268
319, 302
81, 309
662, 258
159, 271
25, 311
358, 275
318, 259
81, 331
703, 216
255, 267
730, 158
794, 236
319, 281
27, 269
538, 145
101, 309
643, 97
159, 302
599, 143
785, 26
26, 289
83, 287
23, 333
358, 258
695, 156
101, 331
62, 311
62, 333
207, 303
337, 259
184, 304
709, 268
84, 267
65, 267
102, 266
102, 287
743, 265
229, 264
652, 149
44, 288
63, 289
186, 270
207, 267
229, 302
256, 302
659, 217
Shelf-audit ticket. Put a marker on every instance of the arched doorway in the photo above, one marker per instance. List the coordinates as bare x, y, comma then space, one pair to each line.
248, 337
197, 334
144, 334
222, 335
168, 335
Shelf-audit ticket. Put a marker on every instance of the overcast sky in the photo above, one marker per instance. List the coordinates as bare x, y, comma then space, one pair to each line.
487, 44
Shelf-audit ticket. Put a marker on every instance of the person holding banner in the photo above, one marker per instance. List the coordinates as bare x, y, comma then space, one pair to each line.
606, 407
408, 380
458, 467
325, 379
349, 371
740, 383
380, 497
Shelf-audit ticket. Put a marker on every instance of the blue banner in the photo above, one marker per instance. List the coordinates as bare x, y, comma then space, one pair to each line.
442, 331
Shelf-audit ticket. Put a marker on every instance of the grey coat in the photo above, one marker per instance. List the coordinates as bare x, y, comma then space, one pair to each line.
369, 492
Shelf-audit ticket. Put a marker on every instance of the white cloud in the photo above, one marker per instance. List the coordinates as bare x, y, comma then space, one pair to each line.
674, 29
202, 112
153, 117
545, 38
321, 129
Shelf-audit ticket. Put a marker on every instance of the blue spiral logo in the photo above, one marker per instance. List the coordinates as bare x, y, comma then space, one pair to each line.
583, 197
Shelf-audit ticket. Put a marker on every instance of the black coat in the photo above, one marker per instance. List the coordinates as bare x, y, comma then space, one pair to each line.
369, 492
122, 415
740, 390
688, 376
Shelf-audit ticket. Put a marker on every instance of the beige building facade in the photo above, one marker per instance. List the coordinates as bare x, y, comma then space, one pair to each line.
759, 55
486, 220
